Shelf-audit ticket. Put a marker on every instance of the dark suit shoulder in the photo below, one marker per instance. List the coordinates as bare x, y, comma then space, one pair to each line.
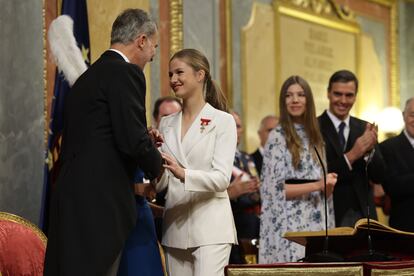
393, 141
114, 64
396, 145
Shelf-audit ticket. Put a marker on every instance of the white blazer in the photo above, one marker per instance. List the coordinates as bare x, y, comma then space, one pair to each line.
198, 212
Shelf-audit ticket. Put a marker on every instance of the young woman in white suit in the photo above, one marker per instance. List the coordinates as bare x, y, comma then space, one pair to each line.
198, 151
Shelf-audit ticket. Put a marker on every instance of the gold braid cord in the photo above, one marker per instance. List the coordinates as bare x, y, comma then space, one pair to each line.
176, 19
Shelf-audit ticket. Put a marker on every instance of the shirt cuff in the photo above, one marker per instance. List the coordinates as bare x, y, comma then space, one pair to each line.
348, 163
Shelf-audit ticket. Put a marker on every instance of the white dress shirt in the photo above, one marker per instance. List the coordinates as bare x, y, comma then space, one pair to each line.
336, 122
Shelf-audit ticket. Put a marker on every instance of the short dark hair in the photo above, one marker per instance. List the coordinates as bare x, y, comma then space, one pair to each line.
343, 76
161, 100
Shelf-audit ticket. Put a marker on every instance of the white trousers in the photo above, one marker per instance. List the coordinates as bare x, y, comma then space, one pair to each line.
207, 260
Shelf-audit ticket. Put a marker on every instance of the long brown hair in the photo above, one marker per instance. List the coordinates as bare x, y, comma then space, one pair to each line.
196, 60
310, 123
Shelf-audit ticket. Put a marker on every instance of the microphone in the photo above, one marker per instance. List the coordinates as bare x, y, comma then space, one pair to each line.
325, 255
371, 254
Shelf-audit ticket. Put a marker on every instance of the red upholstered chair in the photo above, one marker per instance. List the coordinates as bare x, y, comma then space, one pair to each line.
22, 246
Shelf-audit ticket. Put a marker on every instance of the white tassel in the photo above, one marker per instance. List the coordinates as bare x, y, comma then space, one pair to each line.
65, 52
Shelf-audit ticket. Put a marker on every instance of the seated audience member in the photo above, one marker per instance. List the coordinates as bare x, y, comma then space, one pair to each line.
398, 153
266, 125
292, 179
244, 197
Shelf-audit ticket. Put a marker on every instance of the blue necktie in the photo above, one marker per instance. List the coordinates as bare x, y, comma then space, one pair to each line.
341, 135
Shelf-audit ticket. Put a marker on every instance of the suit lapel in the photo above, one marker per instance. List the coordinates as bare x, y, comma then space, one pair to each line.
331, 134
196, 132
172, 137
355, 130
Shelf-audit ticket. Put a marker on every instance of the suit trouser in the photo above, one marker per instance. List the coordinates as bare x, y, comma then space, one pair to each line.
207, 260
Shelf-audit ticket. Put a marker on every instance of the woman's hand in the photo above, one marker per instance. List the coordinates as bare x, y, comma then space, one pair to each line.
331, 179
171, 164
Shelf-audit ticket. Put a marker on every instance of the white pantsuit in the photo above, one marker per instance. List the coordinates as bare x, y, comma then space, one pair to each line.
197, 211
205, 260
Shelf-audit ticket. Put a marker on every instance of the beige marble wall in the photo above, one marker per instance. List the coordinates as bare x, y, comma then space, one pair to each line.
258, 60
371, 98
406, 50
21, 108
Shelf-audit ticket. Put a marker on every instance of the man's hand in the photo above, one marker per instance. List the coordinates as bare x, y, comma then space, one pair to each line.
364, 143
156, 136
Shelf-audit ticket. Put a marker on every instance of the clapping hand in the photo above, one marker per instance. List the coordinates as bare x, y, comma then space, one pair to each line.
365, 143
239, 187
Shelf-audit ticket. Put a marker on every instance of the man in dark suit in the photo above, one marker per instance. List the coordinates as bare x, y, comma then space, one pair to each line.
398, 153
105, 139
349, 142
268, 123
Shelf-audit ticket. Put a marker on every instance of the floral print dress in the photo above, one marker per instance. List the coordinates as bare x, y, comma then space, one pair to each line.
279, 215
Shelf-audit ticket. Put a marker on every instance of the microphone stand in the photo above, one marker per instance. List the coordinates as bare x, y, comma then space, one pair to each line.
324, 256
370, 255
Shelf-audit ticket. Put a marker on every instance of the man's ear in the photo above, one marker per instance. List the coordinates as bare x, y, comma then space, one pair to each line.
140, 41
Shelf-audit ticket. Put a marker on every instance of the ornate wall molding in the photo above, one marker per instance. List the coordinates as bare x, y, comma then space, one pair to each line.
324, 7
395, 49
392, 5
229, 52
176, 20
45, 98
